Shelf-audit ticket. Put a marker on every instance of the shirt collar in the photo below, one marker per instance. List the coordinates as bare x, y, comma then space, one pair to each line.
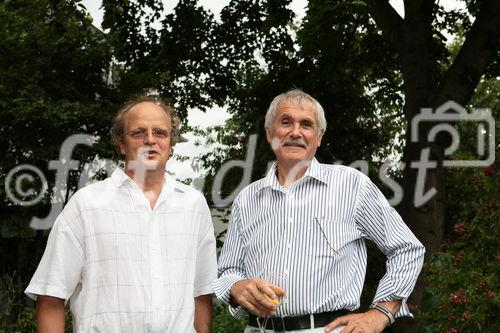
314, 171
119, 178
270, 180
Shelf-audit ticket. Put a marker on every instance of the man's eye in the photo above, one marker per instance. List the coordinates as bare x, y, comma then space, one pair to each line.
137, 133
160, 133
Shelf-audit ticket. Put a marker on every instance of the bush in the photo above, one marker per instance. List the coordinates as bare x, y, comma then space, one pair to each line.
462, 293
223, 322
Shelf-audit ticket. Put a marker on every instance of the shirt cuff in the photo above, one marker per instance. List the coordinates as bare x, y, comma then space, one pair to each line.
222, 289
403, 310
222, 286
237, 312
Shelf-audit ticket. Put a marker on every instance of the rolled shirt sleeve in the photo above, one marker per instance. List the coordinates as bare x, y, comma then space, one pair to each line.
231, 267
206, 258
61, 266
381, 223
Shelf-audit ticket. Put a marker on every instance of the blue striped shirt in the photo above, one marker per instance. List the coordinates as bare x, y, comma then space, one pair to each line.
309, 239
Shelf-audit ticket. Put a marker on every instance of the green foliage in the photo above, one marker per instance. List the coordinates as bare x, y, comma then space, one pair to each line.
54, 65
17, 312
262, 52
172, 57
223, 322
463, 281
13, 302
463, 284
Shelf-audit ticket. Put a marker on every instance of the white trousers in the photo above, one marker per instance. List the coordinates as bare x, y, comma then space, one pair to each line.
251, 329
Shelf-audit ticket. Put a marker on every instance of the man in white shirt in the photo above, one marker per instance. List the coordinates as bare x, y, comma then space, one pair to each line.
294, 255
135, 252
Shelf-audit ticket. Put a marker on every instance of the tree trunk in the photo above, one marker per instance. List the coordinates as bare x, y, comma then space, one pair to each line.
412, 37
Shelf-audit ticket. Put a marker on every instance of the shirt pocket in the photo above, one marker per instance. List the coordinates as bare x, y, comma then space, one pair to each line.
336, 236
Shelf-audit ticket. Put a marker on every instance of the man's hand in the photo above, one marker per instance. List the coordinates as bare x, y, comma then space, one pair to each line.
257, 296
371, 321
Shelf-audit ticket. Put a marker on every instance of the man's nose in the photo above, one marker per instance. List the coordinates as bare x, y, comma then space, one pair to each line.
296, 131
149, 138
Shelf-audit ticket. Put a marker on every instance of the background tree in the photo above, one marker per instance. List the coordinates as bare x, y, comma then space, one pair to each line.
462, 285
263, 52
430, 79
167, 55
54, 67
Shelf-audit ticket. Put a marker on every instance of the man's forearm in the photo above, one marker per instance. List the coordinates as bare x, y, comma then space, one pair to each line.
203, 313
50, 314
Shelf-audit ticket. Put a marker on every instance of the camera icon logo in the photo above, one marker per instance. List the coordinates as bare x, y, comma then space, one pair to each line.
445, 123
485, 147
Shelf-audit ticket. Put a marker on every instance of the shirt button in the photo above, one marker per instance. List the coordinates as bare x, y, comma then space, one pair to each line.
289, 244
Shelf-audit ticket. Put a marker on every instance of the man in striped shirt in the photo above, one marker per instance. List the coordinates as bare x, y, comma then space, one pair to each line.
294, 256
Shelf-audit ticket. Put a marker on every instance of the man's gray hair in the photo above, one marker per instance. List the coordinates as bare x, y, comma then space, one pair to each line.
300, 97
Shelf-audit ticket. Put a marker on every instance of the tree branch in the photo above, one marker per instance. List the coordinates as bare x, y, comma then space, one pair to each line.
480, 47
387, 19
417, 8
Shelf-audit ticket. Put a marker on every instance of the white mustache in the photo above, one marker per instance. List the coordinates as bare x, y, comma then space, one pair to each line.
294, 143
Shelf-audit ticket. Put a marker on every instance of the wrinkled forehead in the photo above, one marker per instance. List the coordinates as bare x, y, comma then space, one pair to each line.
298, 103
298, 106
147, 114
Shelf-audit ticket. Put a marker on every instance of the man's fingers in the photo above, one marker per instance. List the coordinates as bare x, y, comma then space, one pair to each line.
278, 291
265, 302
340, 321
255, 306
253, 309
257, 296
275, 301
272, 293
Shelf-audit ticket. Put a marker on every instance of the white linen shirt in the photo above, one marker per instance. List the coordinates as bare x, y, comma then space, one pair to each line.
310, 239
124, 266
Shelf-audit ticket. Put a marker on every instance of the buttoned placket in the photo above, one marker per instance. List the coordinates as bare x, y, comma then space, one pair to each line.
157, 291
289, 236
157, 283
155, 263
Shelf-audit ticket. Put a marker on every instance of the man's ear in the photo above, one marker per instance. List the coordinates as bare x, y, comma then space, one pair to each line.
269, 135
320, 137
122, 148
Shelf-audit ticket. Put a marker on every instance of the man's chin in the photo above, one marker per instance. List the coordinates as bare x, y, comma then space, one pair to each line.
295, 157
294, 148
150, 164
